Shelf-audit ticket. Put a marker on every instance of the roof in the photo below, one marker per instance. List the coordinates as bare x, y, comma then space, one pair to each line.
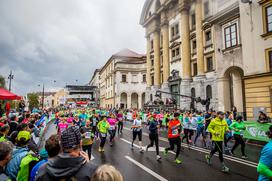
128, 53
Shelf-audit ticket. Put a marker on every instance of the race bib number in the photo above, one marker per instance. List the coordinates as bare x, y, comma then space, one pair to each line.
103, 135
88, 135
175, 132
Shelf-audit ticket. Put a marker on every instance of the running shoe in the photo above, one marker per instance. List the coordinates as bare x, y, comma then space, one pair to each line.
100, 150
141, 150
208, 159
165, 152
178, 161
158, 157
244, 157
131, 147
103, 149
225, 169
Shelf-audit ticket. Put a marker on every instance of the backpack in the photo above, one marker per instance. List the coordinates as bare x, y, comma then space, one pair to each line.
26, 165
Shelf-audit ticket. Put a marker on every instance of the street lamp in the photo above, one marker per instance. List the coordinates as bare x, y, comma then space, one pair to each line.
10, 77
42, 94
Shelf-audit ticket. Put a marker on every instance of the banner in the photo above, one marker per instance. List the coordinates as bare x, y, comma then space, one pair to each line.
256, 131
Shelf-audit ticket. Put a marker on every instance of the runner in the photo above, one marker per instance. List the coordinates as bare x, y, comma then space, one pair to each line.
120, 122
153, 135
112, 130
87, 138
62, 125
228, 135
217, 128
103, 127
174, 129
82, 117
265, 163
200, 129
238, 127
137, 131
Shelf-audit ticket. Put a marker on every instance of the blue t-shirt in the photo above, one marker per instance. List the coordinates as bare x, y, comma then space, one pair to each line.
266, 159
82, 118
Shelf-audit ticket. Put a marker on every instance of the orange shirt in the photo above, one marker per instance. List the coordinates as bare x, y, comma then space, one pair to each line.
173, 132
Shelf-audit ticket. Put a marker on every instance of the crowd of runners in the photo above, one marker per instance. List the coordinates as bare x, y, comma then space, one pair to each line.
67, 154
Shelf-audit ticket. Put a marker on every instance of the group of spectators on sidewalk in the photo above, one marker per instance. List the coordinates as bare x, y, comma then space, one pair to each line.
60, 159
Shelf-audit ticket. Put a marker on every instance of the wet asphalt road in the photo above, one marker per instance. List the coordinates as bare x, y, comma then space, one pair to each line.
136, 166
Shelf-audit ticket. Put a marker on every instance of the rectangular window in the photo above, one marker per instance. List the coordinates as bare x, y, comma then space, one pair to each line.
152, 62
124, 78
177, 29
194, 47
173, 31
270, 60
152, 44
152, 80
268, 13
134, 78
209, 64
173, 53
193, 20
194, 69
144, 78
230, 34
177, 52
208, 37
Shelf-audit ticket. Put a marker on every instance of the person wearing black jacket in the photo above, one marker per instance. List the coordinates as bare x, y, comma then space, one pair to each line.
72, 163
153, 135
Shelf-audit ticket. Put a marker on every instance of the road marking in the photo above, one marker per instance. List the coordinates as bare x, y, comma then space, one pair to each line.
151, 172
227, 157
161, 149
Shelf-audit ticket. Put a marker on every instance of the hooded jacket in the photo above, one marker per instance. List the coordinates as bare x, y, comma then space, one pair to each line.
217, 128
66, 167
13, 166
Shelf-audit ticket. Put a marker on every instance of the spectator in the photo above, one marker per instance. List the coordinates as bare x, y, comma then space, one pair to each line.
19, 153
107, 173
263, 118
5, 157
7, 109
72, 163
265, 163
4, 130
52, 149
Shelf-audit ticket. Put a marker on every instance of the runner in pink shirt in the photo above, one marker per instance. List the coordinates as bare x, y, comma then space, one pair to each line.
62, 125
112, 121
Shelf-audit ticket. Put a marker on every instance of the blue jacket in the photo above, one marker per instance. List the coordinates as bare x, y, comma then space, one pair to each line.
13, 166
36, 168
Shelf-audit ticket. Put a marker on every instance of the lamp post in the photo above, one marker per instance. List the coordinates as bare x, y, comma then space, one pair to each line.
10, 77
42, 94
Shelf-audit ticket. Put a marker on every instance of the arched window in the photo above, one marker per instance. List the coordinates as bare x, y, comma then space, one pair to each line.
193, 94
209, 91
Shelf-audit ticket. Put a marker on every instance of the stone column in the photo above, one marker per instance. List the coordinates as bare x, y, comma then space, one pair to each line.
129, 100
165, 46
199, 37
185, 38
186, 54
140, 101
148, 62
157, 66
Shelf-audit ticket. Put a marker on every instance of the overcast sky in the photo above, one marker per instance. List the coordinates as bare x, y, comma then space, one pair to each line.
64, 40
